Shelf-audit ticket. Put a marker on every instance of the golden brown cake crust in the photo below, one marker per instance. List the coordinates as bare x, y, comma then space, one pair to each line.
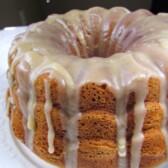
97, 127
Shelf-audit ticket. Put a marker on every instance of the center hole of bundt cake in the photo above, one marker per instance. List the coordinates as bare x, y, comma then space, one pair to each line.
104, 49
95, 40
92, 46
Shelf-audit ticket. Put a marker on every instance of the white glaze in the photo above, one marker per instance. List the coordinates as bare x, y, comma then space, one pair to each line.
121, 116
47, 109
163, 103
71, 150
139, 115
11, 83
52, 46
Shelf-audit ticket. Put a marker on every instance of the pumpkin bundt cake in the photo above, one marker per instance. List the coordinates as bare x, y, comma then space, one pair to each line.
88, 89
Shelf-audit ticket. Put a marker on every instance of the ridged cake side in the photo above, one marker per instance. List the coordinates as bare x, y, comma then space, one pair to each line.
97, 127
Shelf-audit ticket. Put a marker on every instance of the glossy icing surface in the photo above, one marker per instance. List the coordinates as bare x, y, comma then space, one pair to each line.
123, 49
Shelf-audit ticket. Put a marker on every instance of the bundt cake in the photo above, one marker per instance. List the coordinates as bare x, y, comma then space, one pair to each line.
88, 89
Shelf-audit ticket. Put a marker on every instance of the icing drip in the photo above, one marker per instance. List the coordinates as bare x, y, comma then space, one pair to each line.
31, 120
31, 105
163, 103
11, 83
32, 99
139, 115
47, 109
72, 142
71, 138
11, 79
72, 114
121, 117
23, 105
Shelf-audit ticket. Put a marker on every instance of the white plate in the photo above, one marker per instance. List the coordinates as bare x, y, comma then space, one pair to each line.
13, 154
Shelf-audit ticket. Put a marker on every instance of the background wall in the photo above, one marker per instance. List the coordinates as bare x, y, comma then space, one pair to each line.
19, 12
24, 12
65, 5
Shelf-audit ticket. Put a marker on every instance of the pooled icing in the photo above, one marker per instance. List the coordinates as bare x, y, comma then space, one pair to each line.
81, 47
